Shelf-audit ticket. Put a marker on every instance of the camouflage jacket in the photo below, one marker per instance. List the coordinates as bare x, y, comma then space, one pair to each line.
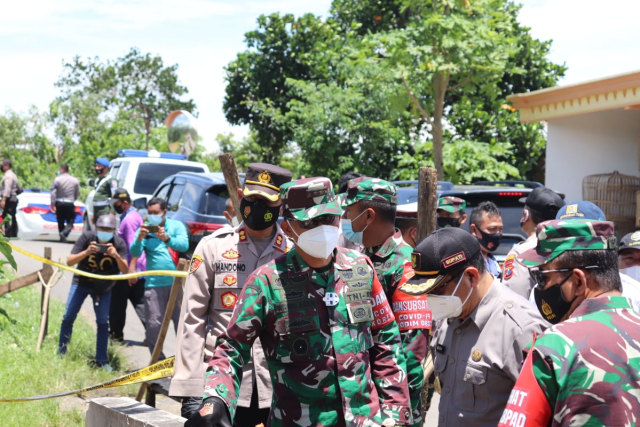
392, 261
330, 340
587, 368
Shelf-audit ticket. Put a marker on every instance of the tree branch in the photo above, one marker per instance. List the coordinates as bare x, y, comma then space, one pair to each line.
416, 103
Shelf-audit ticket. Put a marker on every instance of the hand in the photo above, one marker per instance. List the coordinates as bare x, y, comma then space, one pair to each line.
133, 281
111, 251
213, 413
53, 208
92, 249
2, 202
160, 235
143, 233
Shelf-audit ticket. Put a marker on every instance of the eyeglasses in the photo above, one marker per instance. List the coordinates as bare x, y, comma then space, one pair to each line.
319, 220
541, 280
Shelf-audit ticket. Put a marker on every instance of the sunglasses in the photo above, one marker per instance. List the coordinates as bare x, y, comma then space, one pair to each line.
539, 276
319, 220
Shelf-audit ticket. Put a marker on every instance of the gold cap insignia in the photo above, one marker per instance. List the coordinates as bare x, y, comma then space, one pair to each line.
264, 177
476, 355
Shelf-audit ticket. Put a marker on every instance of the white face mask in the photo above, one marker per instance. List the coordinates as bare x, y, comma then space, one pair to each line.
633, 271
445, 306
318, 242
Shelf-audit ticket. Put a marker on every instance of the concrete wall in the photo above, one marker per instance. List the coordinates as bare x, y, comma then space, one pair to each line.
590, 144
124, 411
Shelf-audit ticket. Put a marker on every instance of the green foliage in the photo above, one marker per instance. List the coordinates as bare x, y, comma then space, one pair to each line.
6, 251
26, 372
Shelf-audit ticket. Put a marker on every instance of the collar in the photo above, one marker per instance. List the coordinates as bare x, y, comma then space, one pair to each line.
609, 303
388, 247
480, 316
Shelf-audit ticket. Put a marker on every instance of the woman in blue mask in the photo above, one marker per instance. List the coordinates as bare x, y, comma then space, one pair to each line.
98, 252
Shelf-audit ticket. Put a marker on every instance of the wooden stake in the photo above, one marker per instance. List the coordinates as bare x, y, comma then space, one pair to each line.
427, 201
230, 172
176, 287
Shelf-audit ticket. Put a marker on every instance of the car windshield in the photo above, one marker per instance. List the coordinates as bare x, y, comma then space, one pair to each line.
215, 200
151, 174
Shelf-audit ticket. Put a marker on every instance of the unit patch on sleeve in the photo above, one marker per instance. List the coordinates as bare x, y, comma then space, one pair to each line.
196, 260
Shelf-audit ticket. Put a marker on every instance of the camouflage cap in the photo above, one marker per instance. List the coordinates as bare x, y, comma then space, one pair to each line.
264, 179
308, 198
451, 204
366, 188
558, 236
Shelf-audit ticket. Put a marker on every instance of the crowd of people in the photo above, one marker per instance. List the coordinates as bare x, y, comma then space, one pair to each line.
330, 316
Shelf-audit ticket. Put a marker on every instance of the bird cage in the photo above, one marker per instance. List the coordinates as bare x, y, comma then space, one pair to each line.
615, 194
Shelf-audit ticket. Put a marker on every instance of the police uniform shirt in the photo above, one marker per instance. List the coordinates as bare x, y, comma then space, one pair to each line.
516, 276
65, 188
477, 360
220, 265
9, 184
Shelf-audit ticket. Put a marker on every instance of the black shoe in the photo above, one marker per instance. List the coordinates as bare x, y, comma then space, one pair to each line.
63, 239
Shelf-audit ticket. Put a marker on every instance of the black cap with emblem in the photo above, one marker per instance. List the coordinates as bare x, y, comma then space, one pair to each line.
264, 179
447, 251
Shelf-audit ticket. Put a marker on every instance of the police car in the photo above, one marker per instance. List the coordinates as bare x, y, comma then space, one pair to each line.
140, 172
36, 221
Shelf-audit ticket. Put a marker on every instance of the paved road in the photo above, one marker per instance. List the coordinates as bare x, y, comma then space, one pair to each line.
137, 354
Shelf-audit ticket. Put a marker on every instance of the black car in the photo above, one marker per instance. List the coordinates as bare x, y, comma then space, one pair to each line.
196, 199
505, 194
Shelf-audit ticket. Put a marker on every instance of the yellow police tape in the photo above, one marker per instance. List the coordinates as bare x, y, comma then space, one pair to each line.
174, 273
162, 369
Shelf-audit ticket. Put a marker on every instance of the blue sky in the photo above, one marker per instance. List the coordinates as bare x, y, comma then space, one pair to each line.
595, 39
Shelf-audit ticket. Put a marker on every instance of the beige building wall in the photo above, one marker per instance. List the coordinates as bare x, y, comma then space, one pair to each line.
588, 144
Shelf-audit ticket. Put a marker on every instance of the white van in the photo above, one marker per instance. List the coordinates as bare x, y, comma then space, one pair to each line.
140, 172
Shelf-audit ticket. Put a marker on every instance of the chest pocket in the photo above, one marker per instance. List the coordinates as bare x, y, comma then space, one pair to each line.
474, 387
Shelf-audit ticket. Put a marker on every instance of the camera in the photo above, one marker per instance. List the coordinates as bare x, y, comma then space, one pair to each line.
152, 228
102, 248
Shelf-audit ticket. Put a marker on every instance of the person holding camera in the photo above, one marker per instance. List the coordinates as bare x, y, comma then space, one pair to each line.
98, 252
159, 238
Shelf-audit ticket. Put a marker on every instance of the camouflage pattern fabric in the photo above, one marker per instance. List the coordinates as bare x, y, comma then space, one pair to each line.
309, 197
558, 236
392, 261
451, 204
365, 188
330, 340
589, 365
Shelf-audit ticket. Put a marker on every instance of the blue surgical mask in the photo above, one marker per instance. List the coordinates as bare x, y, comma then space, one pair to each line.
154, 219
347, 229
105, 236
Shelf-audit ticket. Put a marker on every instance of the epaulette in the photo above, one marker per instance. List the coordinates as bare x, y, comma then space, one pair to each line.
225, 234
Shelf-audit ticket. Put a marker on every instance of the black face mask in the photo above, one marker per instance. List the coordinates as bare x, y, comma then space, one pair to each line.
257, 215
99, 171
489, 241
551, 302
119, 209
444, 222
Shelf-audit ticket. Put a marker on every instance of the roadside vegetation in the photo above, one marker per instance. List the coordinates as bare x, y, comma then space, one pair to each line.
25, 372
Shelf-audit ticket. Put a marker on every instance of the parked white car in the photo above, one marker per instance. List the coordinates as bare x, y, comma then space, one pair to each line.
37, 222
140, 172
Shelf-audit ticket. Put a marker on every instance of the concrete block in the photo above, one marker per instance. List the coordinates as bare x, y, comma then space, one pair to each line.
124, 411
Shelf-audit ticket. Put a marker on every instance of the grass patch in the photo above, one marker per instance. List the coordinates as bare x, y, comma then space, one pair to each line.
23, 372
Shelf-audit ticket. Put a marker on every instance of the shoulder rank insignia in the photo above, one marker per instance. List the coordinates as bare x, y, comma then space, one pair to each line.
242, 235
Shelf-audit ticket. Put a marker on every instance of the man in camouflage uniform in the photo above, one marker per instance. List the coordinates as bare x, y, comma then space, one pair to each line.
585, 370
451, 212
370, 208
220, 266
329, 337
